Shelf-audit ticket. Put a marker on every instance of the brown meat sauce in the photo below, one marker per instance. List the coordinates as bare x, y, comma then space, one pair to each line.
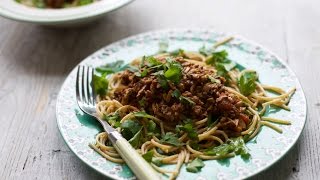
208, 97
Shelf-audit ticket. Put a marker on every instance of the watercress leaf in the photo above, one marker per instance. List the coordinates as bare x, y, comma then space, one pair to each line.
195, 166
171, 139
148, 156
100, 84
247, 83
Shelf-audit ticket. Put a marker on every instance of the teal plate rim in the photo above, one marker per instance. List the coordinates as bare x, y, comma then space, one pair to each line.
244, 52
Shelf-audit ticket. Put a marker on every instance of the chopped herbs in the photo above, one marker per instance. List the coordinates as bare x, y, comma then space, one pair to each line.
236, 145
130, 128
162, 81
217, 57
171, 139
113, 119
195, 166
247, 82
100, 84
177, 94
188, 128
148, 156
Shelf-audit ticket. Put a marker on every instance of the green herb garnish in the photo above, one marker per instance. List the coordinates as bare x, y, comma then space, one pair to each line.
247, 83
195, 166
148, 156
171, 139
236, 145
100, 84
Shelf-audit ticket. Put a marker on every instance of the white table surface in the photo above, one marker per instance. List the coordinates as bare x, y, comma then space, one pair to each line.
35, 60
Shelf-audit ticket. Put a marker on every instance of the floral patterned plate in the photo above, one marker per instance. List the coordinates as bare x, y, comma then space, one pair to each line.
78, 130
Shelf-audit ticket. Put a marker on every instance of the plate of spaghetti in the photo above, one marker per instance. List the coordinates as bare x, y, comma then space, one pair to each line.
196, 104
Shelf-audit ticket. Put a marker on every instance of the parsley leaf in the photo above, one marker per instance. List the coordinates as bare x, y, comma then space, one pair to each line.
136, 139
235, 145
174, 71
220, 56
195, 166
247, 83
162, 81
188, 128
171, 139
100, 84
148, 156
113, 119
130, 128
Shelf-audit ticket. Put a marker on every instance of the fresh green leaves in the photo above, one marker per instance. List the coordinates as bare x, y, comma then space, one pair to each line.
188, 128
112, 68
171, 139
185, 100
113, 119
100, 84
148, 156
219, 60
174, 71
217, 57
130, 128
235, 145
247, 83
195, 166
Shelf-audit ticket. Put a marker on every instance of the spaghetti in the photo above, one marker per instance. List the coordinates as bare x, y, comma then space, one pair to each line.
174, 138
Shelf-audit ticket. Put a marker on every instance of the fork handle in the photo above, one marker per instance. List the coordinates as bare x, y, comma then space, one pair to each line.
141, 168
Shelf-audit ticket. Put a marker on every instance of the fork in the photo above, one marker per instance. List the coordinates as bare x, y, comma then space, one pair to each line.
86, 99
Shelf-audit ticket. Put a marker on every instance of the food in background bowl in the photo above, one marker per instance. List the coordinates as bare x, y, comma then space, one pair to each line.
55, 3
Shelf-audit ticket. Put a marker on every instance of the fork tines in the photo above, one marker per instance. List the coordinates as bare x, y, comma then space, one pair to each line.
84, 89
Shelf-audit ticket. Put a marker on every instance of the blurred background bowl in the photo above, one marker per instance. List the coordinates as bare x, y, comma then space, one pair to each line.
59, 17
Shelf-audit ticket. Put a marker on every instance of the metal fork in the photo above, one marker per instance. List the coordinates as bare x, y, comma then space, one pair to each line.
86, 99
